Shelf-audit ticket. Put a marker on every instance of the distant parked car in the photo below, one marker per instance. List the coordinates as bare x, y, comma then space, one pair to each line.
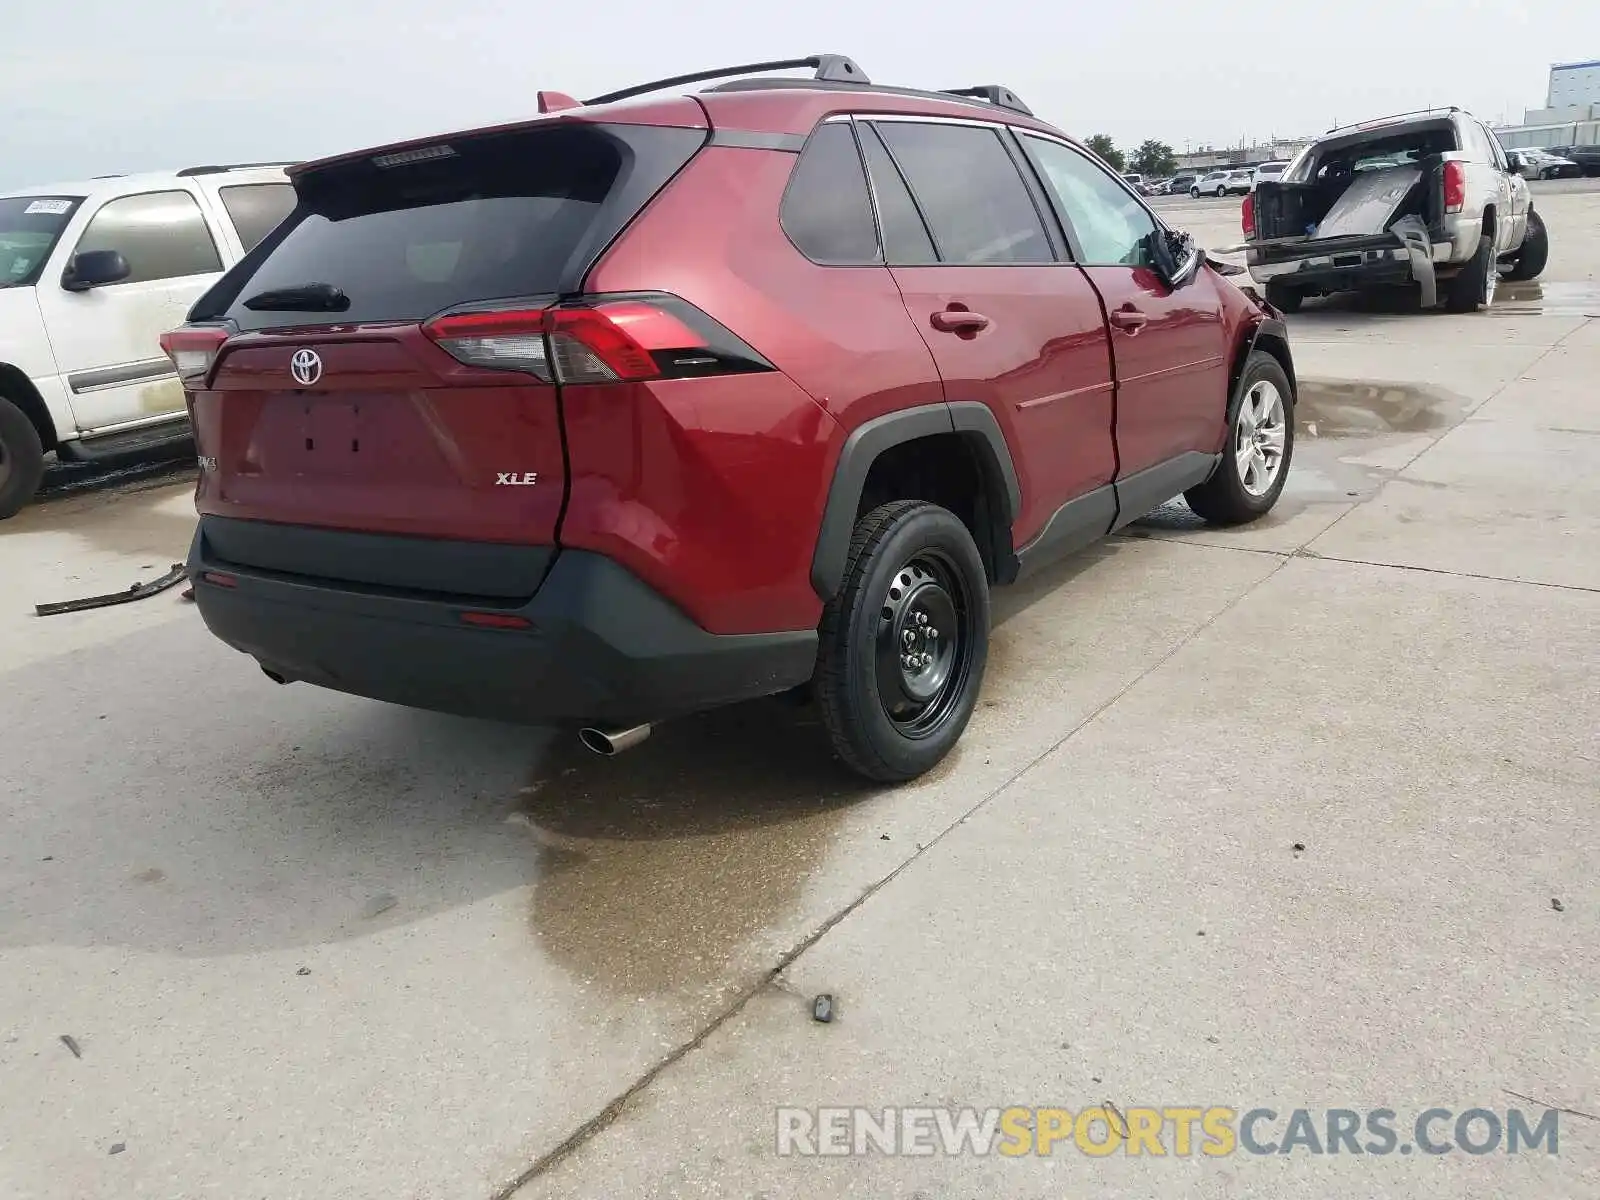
1586, 157
1179, 183
1543, 164
1222, 183
1136, 182
1268, 170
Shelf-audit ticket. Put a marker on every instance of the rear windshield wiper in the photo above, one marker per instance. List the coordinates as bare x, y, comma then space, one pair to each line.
305, 297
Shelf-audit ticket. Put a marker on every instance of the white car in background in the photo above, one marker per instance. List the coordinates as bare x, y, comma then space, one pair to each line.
1268, 170
1222, 183
91, 275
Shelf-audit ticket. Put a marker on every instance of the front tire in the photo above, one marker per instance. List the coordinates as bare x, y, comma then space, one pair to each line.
1255, 461
21, 459
904, 644
1531, 257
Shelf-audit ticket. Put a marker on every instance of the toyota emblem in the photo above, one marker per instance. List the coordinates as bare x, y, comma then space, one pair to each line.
306, 367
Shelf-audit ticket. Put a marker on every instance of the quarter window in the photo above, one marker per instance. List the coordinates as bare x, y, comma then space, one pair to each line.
827, 212
1113, 228
968, 187
163, 235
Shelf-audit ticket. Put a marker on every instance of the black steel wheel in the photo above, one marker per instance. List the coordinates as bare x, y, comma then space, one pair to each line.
904, 644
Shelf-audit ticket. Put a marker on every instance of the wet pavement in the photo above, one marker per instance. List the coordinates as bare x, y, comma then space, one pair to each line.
306, 945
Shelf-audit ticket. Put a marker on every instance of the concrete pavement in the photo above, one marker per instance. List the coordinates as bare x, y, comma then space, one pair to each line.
311, 946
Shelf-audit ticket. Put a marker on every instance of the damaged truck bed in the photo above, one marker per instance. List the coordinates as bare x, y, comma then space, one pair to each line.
1425, 200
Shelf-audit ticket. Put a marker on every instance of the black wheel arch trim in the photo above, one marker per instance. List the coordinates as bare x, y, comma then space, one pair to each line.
970, 419
1272, 336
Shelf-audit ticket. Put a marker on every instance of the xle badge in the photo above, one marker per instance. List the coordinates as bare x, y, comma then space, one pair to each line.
526, 479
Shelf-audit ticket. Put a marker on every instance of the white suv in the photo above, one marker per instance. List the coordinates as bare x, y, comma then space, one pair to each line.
91, 275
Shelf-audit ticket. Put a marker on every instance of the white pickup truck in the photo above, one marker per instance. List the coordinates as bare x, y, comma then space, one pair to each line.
1426, 199
91, 275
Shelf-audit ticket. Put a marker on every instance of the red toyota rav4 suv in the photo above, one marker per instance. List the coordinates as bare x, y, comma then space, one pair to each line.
644, 406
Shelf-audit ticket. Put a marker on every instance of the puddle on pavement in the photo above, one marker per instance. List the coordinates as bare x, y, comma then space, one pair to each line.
1337, 424
1541, 299
1338, 409
659, 867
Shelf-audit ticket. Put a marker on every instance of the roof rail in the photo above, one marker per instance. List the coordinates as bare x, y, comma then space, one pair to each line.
219, 168
1416, 112
834, 68
959, 96
1000, 97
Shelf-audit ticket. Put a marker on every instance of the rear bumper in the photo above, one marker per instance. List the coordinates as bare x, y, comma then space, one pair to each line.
601, 647
1340, 264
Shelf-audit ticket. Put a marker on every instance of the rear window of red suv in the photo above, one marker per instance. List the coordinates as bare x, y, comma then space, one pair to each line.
483, 218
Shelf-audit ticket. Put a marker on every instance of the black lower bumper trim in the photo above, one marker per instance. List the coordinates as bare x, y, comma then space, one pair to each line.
602, 647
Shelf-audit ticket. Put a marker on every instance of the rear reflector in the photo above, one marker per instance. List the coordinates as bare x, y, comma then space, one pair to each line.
1247, 215
493, 620
193, 349
219, 579
607, 339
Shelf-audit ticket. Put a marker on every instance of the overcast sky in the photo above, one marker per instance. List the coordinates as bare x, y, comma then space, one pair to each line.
90, 87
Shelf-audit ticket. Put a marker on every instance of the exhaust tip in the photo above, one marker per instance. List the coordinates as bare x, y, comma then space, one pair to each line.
610, 742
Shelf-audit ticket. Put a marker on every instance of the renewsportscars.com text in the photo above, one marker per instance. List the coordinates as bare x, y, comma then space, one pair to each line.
1180, 1131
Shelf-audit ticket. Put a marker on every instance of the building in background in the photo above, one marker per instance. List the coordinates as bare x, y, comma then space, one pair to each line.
1571, 112
1215, 158
1574, 85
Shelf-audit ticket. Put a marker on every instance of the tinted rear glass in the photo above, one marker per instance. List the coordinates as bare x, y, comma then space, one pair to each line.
496, 217
29, 229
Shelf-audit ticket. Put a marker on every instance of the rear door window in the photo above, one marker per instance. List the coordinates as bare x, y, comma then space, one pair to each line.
484, 218
826, 210
905, 236
163, 235
256, 209
968, 187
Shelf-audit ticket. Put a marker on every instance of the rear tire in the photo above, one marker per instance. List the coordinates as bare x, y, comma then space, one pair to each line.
1530, 259
1284, 298
1259, 449
21, 459
915, 588
1473, 288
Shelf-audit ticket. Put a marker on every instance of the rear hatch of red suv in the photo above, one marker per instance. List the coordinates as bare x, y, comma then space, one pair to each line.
386, 361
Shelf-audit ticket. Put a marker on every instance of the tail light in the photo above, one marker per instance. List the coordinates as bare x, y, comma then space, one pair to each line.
1247, 215
1455, 186
603, 339
193, 350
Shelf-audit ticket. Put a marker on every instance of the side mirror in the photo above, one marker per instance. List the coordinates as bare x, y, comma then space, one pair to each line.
1174, 256
95, 268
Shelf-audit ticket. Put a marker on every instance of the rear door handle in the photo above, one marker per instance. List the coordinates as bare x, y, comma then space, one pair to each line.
1129, 318
959, 321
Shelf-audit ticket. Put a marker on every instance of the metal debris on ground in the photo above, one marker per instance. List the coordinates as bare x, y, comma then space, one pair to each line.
1557, 905
71, 1043
134, 591
118, 1147
822, 1009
